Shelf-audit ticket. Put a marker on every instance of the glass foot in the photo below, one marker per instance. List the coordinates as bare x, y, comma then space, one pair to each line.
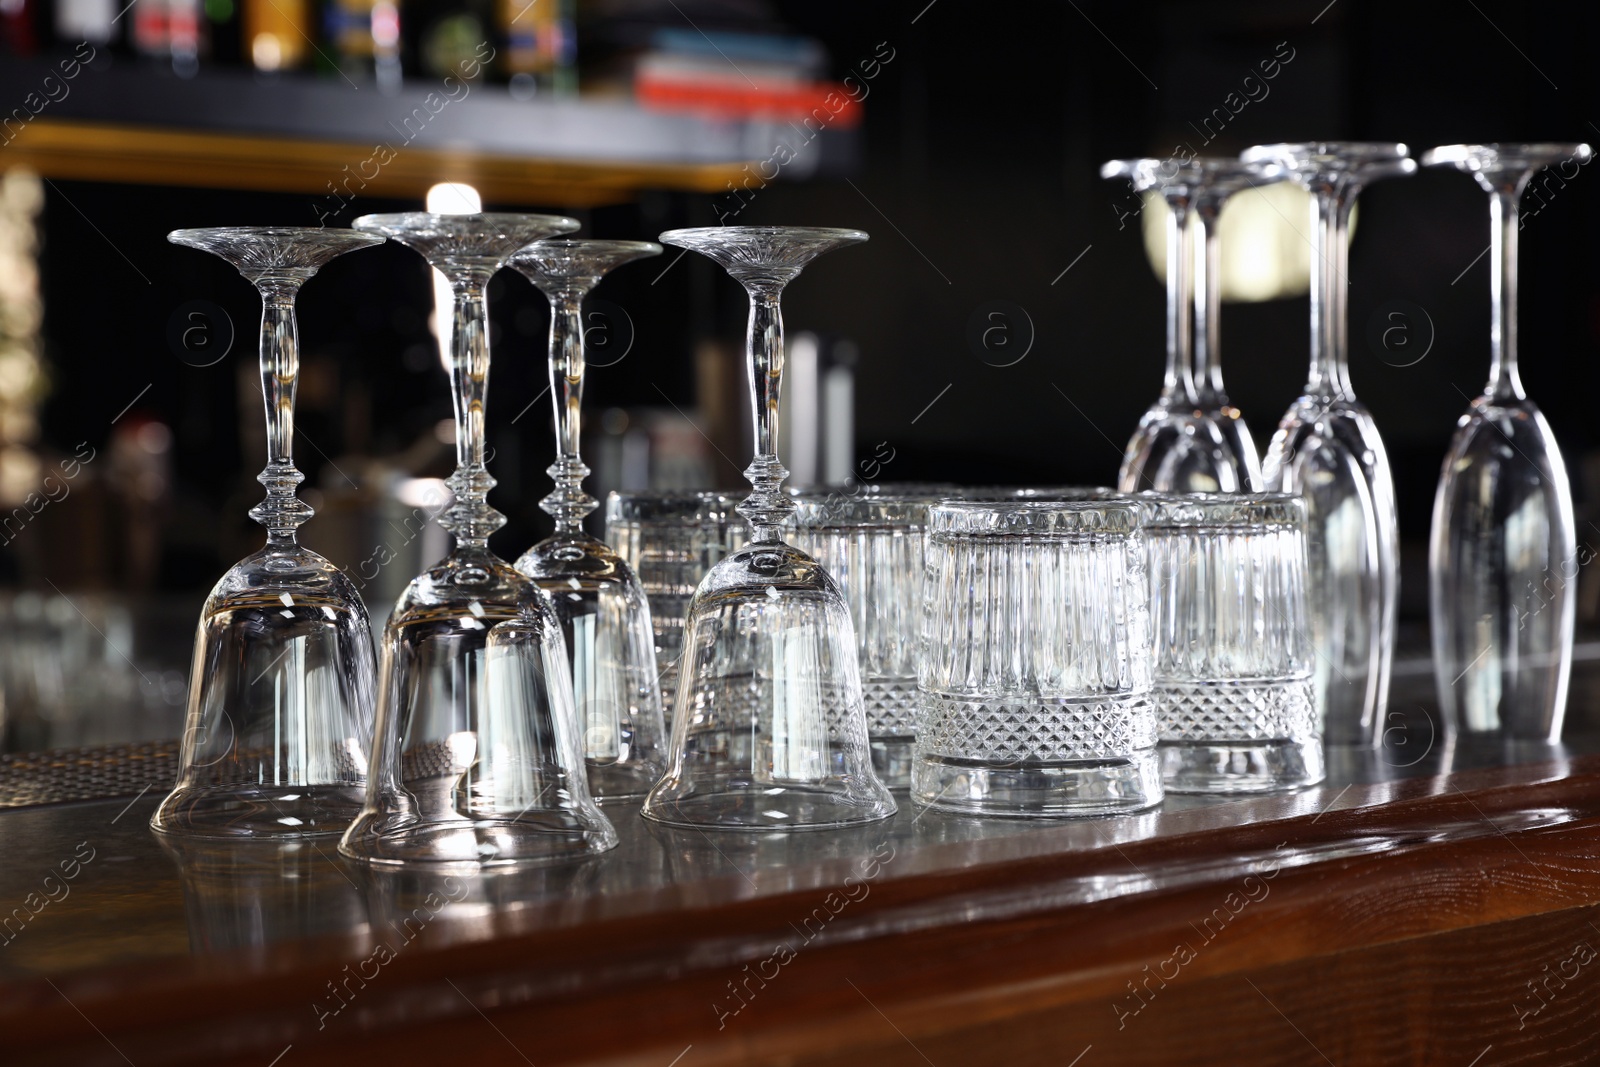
530, 838
892, 758
744, 805
1034, 789
1241, 766
248, 809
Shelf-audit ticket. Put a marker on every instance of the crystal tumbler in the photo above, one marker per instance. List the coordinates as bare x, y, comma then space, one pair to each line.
1034, 678
1234, 687
671, 539
872, 544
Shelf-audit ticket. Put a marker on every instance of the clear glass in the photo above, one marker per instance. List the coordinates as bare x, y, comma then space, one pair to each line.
1189, 441
1502, 562
1219, 179
605, 618
1035, 671
1232, 643
279, 720
477, 759
873, 546
1328, 450
671, 539
770, 731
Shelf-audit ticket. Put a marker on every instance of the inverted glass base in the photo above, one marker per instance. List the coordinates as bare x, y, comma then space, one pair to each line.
533, 837
249, 810
1038, 789
629, 781
892, 758
769, 806
891, 705
1241, 766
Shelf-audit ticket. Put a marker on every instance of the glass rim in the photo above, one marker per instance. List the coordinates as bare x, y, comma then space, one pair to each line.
901, 512
657, 505
1034, 518
1188, 510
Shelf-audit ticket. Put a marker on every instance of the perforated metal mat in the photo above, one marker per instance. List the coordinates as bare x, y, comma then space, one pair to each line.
64, 774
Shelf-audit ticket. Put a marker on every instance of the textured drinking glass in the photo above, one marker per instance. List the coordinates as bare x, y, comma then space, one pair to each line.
770, 731
1502, 559
1328, 450
478, 757
872, 544
605, 618
1185, 443
1035, 669
1231, 642
671, 539
281, 688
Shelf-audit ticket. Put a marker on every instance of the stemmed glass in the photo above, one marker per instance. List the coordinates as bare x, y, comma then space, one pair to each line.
477, 759
1328, 450
1219, 179
1502, 606
1180, 445
605, 618
770, 731
280, 691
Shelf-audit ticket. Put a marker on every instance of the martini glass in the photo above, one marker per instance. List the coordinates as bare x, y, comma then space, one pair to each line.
280, 692
476, 759
770, 731
1180, 446
1501, 560
1328, 450
604, 615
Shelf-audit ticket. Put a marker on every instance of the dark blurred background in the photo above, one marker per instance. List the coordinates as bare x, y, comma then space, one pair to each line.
974, 166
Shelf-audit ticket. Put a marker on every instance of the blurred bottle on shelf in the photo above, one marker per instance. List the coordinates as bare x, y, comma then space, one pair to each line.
21, 32
538, 47
364, 40
276, 33
168, 31
93, 21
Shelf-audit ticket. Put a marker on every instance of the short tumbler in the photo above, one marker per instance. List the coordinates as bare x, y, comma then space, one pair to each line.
1233, 655
1034, 680
671, 539
872, 544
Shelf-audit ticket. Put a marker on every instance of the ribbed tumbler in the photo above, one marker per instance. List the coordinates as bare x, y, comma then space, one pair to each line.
1234, 686
872, 544
1034, 680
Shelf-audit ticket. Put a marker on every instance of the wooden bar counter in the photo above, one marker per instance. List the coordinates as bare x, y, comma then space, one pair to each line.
1437, 912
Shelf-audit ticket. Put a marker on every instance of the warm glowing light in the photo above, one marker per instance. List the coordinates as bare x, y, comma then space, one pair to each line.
1265, 242
266, 51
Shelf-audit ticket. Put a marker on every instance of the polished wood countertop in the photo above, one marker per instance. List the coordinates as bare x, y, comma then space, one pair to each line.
1434, 912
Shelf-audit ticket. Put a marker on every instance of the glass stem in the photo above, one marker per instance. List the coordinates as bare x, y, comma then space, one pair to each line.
281, 512
1325, 378
1208, 304
470, 518
1505, 384
568, 504
1179, 382
1339, 295
767, 506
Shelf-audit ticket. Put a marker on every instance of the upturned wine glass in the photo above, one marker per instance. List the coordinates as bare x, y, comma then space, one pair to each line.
280, 692
1328, 450
604, 615
1501, 560
477, 757
770, 731
1181, 445
1220, 178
